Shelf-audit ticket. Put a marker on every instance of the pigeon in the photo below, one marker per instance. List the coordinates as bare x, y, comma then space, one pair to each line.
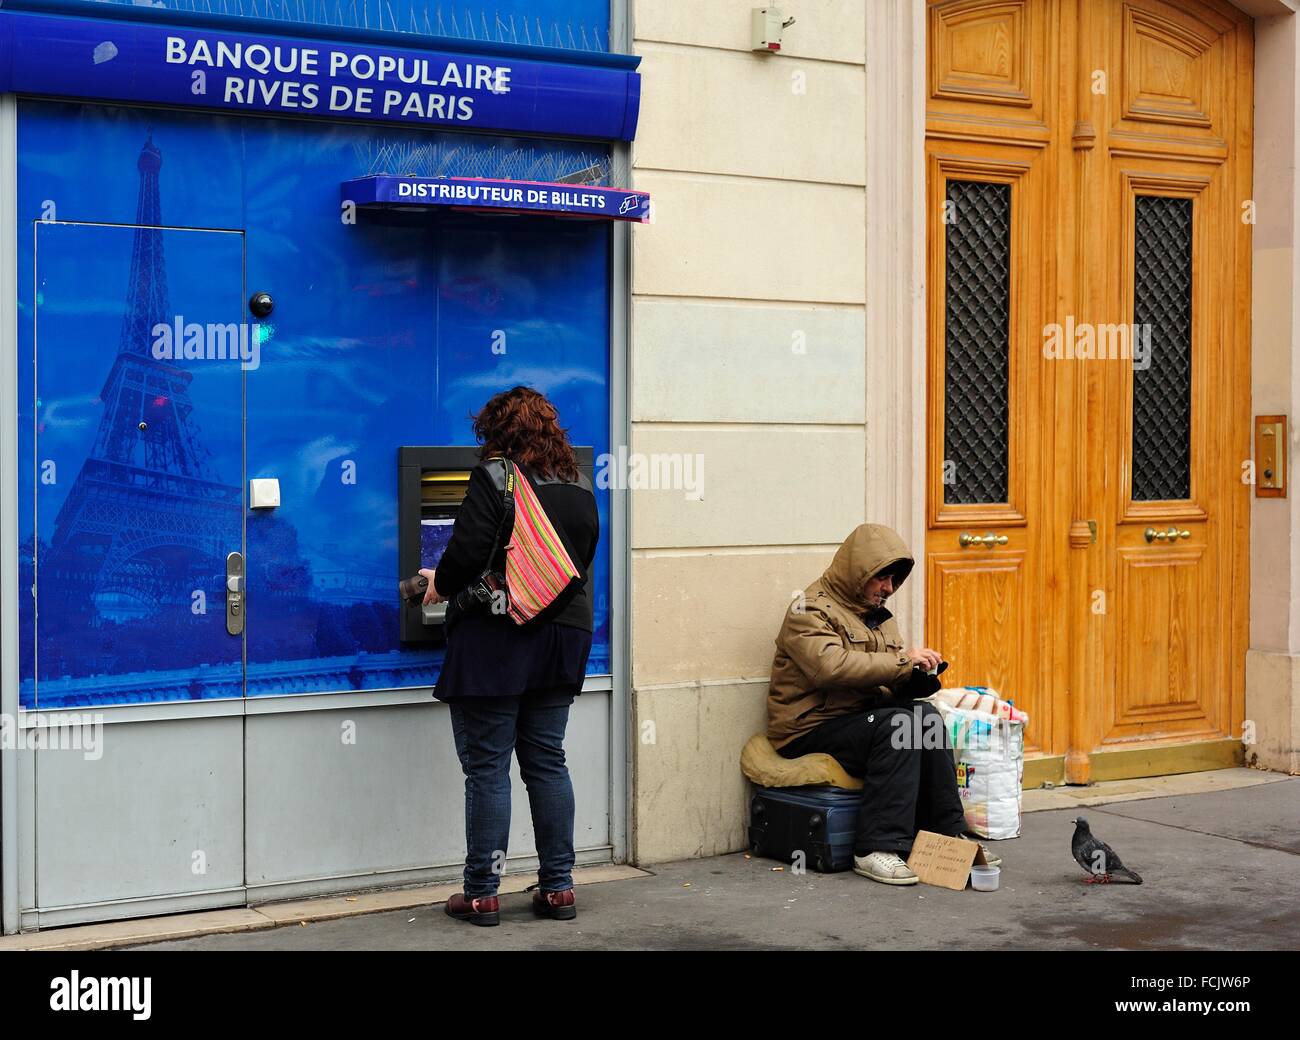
1096, 857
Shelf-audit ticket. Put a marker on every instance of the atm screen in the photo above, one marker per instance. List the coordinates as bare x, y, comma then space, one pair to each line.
434, 535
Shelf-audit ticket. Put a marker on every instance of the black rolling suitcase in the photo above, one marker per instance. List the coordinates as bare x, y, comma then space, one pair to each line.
820, 822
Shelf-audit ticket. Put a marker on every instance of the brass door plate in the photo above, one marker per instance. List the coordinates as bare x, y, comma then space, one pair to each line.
1270, 456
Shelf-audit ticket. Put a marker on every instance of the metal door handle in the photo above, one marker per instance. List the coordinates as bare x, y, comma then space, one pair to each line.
1169, 534
990, 539
235, 607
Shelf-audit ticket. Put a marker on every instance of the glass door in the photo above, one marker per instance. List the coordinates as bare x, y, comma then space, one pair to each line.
138, 462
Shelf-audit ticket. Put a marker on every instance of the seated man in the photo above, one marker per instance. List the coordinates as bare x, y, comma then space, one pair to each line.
840, 676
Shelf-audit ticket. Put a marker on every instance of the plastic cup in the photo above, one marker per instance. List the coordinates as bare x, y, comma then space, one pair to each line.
984, 879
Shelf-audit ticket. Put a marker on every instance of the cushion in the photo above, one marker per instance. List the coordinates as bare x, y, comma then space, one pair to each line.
767, 767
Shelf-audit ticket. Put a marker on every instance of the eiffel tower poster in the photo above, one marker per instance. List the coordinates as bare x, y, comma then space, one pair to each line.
149, 519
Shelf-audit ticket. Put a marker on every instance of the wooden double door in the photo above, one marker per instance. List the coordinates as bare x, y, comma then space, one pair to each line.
1089, 218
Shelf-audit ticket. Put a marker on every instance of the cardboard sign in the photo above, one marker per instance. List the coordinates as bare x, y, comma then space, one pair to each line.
939, 860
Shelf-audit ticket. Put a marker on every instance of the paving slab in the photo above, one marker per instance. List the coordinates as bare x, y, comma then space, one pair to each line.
1270, 823
1205, 888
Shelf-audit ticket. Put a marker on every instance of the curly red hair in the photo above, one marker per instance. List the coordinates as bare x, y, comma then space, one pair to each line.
524, 426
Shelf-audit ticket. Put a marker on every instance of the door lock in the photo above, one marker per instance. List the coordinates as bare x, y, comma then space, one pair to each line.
235, 605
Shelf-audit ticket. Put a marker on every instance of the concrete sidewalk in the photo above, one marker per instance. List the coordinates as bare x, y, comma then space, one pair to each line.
1222, 871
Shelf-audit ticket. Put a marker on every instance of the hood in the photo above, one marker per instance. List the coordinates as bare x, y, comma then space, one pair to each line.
870, 549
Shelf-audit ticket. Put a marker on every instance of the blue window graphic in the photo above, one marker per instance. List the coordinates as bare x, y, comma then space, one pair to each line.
141, 419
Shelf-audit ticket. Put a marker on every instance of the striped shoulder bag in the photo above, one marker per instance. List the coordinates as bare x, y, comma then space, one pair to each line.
539, 569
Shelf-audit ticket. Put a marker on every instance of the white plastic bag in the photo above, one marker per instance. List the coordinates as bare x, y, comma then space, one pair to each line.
989, 753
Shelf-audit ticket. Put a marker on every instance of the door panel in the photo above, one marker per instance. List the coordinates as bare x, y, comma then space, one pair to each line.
988, 53
138, 461
984, 624
986, 443
139, 470
1115, 611
1159, 661
1177, 158
160, 815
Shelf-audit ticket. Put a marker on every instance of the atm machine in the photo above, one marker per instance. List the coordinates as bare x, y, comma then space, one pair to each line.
431, 484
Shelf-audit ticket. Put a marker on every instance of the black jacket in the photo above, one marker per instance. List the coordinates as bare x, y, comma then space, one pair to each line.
572, 510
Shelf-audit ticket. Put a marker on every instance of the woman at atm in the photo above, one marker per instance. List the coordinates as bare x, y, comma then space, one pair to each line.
509, 687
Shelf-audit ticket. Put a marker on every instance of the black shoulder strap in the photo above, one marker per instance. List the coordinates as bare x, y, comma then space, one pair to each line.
504, 473
496, 469
581, 482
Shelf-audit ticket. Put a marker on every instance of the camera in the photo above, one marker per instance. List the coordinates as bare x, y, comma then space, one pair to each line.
479, 592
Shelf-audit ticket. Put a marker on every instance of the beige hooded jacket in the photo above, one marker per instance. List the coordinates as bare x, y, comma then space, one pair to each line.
834, 654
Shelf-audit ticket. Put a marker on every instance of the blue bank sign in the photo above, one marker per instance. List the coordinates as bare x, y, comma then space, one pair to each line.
118, 60
504, 195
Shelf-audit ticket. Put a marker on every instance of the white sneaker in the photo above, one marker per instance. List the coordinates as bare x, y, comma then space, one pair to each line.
992, 858
885, 867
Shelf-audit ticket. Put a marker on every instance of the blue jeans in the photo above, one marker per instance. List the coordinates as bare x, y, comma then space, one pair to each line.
486, 730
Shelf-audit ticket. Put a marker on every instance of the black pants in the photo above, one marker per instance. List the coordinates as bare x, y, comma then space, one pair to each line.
905, 789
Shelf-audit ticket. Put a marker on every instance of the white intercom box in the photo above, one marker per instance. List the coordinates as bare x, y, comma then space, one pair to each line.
263, 493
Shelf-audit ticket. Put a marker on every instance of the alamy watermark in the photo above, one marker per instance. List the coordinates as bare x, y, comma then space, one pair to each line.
1084, 341
626, 470
54, 731
921, 729
215, 341
77, 992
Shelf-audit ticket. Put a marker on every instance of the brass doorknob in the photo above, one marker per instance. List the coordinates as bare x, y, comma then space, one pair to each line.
1169, 534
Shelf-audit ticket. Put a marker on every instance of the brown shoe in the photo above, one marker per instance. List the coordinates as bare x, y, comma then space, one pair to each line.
559, 906
482, 911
